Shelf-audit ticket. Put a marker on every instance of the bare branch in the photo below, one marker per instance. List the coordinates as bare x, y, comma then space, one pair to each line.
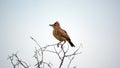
61, 52
74, 53
58, 53
18, 61
70, 61
41, 54
35, 41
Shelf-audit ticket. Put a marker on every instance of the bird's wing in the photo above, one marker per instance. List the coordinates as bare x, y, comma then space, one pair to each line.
63, 33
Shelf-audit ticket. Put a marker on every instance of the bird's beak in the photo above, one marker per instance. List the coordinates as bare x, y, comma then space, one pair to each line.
50, 24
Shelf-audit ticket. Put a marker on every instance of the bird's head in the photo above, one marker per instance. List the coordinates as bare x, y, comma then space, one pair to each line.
55, 25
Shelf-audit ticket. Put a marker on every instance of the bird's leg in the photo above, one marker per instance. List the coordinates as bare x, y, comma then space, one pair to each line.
58, 44
63, 44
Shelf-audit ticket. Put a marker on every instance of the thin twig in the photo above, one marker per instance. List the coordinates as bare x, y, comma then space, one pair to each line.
58, 54
18, 61
70, 61
62, 59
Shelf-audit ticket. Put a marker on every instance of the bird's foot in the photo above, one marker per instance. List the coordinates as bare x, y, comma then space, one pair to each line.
62, 46
58, 44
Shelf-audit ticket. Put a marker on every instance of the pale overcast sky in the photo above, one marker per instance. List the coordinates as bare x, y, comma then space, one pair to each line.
94, 23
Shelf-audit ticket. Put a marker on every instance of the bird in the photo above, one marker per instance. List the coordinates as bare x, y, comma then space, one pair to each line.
60, 34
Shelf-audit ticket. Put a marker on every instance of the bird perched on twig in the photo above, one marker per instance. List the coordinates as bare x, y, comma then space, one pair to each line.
61, 34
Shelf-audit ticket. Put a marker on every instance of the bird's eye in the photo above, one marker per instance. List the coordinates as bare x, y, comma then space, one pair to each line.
55, 24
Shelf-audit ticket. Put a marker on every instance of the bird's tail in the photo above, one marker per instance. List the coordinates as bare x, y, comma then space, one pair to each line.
72, 45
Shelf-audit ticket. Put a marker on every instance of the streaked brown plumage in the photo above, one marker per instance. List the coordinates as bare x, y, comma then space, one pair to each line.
61, 34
